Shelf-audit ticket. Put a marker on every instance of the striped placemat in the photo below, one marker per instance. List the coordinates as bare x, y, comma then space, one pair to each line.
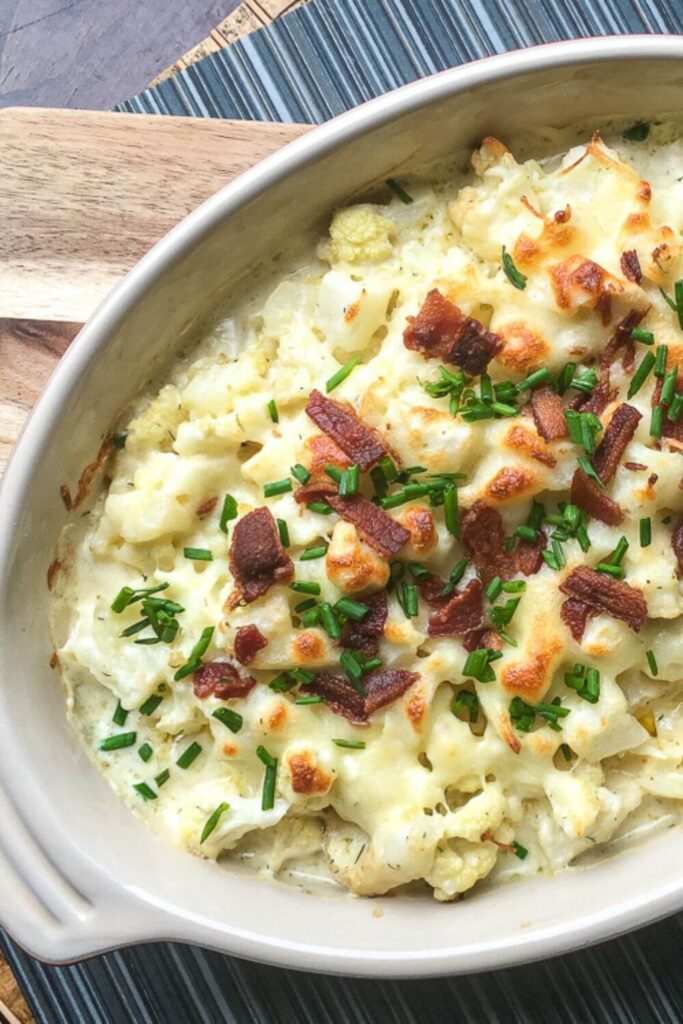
316, 62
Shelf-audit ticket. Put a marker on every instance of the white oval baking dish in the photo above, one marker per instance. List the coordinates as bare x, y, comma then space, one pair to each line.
78, 873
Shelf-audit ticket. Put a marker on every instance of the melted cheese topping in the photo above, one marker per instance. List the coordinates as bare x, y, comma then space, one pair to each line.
431, 796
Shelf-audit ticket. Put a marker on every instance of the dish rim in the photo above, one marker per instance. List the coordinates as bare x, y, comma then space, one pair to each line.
34, 442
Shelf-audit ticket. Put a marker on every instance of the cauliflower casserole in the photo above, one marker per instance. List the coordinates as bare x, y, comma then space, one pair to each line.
384, 586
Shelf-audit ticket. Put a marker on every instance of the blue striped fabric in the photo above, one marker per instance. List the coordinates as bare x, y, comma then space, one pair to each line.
317, 62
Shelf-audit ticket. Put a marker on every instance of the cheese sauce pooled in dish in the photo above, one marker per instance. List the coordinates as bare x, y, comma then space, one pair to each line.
385, 585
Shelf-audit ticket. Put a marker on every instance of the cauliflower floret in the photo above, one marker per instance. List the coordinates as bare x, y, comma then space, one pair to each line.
359, 235
157, 424
459, 867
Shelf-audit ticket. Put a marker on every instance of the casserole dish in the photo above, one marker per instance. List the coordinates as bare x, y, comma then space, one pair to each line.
78, 874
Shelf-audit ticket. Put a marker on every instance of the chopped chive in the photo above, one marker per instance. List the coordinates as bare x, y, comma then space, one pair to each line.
162, 777
588, 469
283, 532
657, 421
644, 337
454, 576
477, 664
119, 438
519, 850
669, 301
277, 487
118, 742
300, 473
350, 481
213, 820
586, 381
535, 379
329, 620
353, 667
145, 752
609, 569
674, 411
516, 279
353, 609
310, 618
451, 510
232, 720
551, 560
150, 705
195, 660
637, 132
321, 507
341, 374
268, 795
272, 411
514, 586
335, 473
189, 755
399, 190
145, 791
311, 553
120, 715
645, 532
660, 360
304, 606
388, 467
494, 588
678, 296
228, 512
565, 378
379, 481
652, 662
669, 386
282, 683
313, 699
526, 533
305, 587
466, 702
408, 599
122, 599
350, 744
198, 554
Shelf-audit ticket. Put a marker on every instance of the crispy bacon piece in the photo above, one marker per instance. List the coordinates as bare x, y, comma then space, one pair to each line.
361, 443
382, 687
484, 637
442, 331
635, 467
484, 538
574, 614
605, 594
622, 339
602, 394
249, 640
548, 411
616, 438
677, 542
381, 532
222, 679
363, 636
257, 558
630, 266
590, 497
462, 613
315, 490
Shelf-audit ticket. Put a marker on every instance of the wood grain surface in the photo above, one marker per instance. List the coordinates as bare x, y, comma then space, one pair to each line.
83, 196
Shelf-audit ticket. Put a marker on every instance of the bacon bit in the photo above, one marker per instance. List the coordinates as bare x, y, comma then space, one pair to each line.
462, 613
442, 331
677, 542
635, 467
257, 558
249, 640
382, 687
488, 837
381, 532
622, 339
593, 500
54, 660
479, 638
616, 439
548, 412
606, 594
315, 490
360, 442
563, 216
652, 479
574, 614
206, 507
630, 266
221, 679
53, 568
364, 635
484, 538
66, 497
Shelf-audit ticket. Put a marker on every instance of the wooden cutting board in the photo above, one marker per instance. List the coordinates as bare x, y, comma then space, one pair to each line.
84, 195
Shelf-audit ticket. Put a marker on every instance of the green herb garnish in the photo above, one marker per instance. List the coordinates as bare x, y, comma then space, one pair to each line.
516, 279
232, 720
272, 411
213, 820
198, 554
118, 742
145, 791
268, 795
189, 755
342, 373
399, 190
350, 744
228, 512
